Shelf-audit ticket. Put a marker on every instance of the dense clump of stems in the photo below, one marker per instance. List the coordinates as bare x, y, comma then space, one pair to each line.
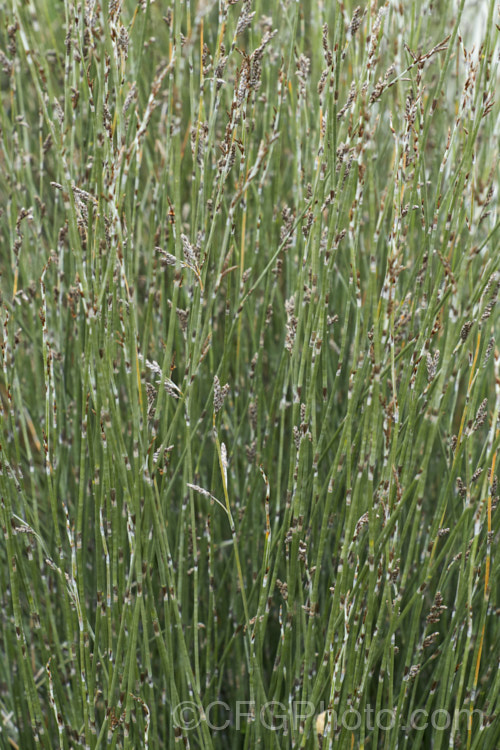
250, 375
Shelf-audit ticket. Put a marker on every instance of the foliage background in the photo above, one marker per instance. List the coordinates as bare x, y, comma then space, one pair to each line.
250, 383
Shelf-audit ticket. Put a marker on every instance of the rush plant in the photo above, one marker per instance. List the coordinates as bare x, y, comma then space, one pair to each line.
250, 374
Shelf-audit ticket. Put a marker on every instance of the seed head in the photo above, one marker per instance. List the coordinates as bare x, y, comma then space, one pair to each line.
219, 394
